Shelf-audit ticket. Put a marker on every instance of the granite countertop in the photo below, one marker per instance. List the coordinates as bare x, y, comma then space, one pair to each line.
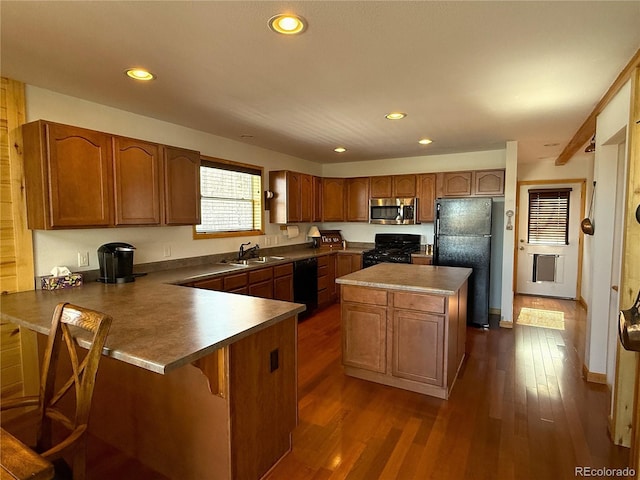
157, 324
409, 277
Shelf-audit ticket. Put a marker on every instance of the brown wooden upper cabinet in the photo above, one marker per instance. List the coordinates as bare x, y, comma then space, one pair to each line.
137, 169
399, 186
333, 199
181, 186
77, 178
316, 186
471, 183
488, 182
357, 199
293, 197
426, 186
68, 176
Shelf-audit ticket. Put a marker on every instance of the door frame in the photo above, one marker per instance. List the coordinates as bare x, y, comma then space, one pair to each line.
583, 190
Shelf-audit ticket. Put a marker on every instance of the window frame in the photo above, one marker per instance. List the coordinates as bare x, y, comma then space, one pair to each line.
238, 167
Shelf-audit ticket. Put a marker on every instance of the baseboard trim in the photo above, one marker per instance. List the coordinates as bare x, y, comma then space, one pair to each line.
506, 324
582, 302
592, 377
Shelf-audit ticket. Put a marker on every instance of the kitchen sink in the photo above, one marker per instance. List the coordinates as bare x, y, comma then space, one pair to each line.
253, 261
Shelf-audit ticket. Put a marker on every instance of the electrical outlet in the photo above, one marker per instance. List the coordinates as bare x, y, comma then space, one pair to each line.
83, 259
166, 250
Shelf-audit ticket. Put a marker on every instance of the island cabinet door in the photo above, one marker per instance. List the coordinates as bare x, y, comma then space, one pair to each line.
417, 346
364, 336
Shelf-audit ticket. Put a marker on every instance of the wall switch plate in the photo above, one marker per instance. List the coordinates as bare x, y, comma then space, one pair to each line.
166, 250
83, 259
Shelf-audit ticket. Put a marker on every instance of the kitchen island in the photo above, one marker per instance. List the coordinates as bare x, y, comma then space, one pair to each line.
404, 325
194, 383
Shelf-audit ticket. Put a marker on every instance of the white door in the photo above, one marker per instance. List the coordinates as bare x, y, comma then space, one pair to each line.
546, 269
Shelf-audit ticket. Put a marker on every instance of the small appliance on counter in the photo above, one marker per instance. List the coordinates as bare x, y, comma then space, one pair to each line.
116, 263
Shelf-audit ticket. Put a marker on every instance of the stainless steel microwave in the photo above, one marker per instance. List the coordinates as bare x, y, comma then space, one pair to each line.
393, 211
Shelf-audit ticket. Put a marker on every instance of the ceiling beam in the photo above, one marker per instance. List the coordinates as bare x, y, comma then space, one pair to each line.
588, 128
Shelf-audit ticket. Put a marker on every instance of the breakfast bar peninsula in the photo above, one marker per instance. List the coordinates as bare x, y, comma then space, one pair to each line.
196, 384
404, 325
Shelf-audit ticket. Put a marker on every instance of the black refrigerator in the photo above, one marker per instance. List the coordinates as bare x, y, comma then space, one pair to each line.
463, 239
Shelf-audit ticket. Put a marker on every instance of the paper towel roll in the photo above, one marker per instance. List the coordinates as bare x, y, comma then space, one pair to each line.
293, 231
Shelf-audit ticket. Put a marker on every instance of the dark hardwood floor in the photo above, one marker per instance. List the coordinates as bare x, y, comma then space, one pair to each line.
519, 410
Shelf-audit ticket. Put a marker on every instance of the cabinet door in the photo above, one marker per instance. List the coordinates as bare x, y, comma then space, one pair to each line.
317, 199
404, 186
283, 288
80, 182
343, 264
364, 336
137, 182
306, 198
357, 199
181, 186
489, 182
418, 340
426, 197
456, 184
381, 187
333, 199
262, 289
293, 197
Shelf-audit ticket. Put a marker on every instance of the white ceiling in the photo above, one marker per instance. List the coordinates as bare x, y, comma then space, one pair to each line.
470, 75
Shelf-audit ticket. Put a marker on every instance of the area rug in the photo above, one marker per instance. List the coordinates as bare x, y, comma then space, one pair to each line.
541, 318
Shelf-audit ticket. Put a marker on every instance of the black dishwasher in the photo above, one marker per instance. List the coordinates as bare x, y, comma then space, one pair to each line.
305, 285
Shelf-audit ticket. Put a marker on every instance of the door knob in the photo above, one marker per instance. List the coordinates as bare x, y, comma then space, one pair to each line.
521, 248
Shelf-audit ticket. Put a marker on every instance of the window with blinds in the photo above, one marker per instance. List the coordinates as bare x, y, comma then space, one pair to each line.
230, 198
549, 216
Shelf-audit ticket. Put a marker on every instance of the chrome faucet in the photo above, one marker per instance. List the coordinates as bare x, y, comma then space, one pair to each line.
252, 251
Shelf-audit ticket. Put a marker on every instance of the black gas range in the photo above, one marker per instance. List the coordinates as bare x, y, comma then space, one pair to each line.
392, 248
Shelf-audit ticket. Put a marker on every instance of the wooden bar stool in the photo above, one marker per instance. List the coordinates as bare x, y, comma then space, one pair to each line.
69, 323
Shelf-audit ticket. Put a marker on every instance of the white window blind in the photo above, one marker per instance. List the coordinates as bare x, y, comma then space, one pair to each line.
230, 198
549, 216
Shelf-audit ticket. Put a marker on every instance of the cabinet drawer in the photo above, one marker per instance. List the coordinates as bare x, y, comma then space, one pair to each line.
323, 296
323, 282
282, 270
371, 296
210, 284
261, 275
423, 303
232, 282
322, 270
323, 261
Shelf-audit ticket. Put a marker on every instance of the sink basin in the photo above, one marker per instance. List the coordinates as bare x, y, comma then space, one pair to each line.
253, 261
265, 259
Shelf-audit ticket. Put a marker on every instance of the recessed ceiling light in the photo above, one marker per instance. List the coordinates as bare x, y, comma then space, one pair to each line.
246, 135
140, 74
287, 24
395, 115
425, 141
340, 149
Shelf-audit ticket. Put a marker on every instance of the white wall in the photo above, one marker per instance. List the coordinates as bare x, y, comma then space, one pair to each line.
508, 247
611, 130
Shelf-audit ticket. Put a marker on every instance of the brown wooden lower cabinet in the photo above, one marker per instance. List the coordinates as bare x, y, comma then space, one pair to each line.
326, 280
414, 341
270, 282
